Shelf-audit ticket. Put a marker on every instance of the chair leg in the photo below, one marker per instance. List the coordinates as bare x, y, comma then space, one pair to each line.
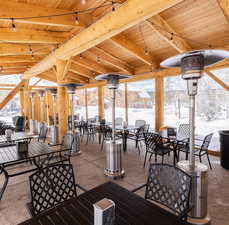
209, 161
200, 158
186, 156
101, 149
87, 139
145, 159
155, 157
162, 159
136, 144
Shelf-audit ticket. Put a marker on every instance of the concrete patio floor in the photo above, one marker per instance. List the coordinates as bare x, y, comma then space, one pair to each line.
89, 173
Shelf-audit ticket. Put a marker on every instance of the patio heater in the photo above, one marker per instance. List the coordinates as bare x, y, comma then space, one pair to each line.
54, 135
114, 167
33, 122
71, 88
40, 124
192, 66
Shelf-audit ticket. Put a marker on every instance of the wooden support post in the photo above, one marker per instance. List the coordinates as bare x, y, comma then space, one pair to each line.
36, 108
62, 98
126, 103
159, 102
49, 107
101, 102
26, 100
22, 108
86, 104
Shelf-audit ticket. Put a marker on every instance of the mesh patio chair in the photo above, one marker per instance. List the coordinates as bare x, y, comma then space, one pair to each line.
170, 187
118, 121
139, 123
91, 132
51, 186
138, 136
200, 150
155, 146
43, 133
183, 131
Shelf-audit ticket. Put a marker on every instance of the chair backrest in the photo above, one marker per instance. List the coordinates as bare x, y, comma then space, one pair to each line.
67, 141
139, 123
169, 186
43, 133
118, 121
142, 130
152, 140
50, 186
19, 123
184, 130
206, 142
171, 132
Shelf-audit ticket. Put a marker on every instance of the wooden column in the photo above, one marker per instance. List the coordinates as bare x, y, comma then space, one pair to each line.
22, 109
62, 98
159, 102
36, 108
101, 102
86, 103
26, 100
126, 103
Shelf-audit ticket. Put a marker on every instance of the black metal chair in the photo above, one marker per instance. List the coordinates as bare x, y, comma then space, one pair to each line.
170, 187
138, 136
200, 150
91, 132
43, 133
106, 133
156, 146
51, 186
183, 131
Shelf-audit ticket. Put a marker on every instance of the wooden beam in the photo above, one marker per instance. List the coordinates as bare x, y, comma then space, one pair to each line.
22, 49
159, 103
160, 26
12, 94
73, 76
32, 36
76, 68
9, 9
137, 51
90, 64
112, 60
126, 16
224, 5
101, 112
217, 80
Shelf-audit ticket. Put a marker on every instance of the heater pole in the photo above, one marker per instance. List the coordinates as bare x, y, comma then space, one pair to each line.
72, 95
54, 109
192, 132
113, 115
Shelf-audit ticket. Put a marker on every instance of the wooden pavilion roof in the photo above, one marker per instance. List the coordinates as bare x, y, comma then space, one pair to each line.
136, 46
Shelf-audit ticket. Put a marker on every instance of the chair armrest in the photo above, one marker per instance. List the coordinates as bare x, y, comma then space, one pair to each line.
138, 188
53, 145
82, 188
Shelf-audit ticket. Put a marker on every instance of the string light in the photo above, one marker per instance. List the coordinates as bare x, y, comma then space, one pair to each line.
83, 2
113, 7
98, 59
13, 27
77, 18
81, 56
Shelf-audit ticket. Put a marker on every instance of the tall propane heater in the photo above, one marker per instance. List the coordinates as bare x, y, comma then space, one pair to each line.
54, 128
114, 167
192, 65
40, 124
33, 122
76, 143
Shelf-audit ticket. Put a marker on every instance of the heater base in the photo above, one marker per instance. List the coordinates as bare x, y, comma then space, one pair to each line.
200, 221
114, 175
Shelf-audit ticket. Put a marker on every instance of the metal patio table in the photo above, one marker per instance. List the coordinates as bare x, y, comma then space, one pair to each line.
9, 156
130, 208
16, 136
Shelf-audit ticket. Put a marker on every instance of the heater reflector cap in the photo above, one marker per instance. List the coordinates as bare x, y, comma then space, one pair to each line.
52, 90
71, 87
112, 79
211, 56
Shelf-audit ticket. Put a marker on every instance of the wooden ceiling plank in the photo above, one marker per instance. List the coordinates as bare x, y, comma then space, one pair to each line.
126, 16
31, 36
133, 49
78, 69
19, 59
160, 26
75, 76
9, 9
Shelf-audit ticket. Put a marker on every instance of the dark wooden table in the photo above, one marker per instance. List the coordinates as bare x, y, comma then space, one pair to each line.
131, 209
9, 156
16, 136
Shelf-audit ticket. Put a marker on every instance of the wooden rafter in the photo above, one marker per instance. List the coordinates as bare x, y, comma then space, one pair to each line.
76, 68
9, 9
217, 80
76, 77
224, 5
163, 29
12, 94
112, 60
89, 64
133, 49
19, 59
31, 36
126, 16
